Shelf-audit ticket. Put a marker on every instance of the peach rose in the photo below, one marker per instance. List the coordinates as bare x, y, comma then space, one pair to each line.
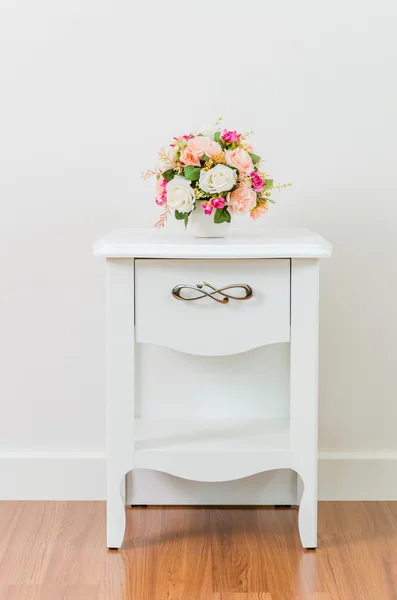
258, 212
212, 148
190, 157
240, 159
203, 145
242, 199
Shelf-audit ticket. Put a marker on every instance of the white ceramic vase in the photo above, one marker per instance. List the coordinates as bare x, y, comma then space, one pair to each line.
203, 226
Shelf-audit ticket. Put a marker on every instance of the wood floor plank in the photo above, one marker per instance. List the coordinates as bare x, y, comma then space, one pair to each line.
197, 574
243, 596
79, 543
56, 551
30, 546
352, 552
265, 596
259, 551
161, 546
74, 592
10, 515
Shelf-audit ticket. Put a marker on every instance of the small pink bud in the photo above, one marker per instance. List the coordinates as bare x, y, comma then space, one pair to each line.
207, 208
218, 202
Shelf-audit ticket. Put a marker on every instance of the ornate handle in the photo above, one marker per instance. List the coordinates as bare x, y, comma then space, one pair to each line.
176, 292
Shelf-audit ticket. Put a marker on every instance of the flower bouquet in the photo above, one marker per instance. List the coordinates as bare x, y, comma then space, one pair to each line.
209, 177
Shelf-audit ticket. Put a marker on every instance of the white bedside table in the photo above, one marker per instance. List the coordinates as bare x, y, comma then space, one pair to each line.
161, 289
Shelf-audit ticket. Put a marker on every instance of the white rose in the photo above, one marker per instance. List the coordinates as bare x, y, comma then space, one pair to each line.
218, 179
207, 130
180, 194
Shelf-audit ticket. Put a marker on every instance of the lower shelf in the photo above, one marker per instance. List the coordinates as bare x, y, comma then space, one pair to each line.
211, 450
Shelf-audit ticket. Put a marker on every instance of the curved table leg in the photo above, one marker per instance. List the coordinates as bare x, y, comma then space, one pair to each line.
119, 392
307, 518
115, 510
304, 390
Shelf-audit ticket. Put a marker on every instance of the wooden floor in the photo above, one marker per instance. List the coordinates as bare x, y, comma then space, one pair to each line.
56, 551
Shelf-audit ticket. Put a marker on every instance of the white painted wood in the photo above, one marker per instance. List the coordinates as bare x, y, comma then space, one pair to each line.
145, 486
212, 449
204, 326
272, 243
256, 384
299, 490
264, 372
304, 391
220, 450
211, 435
119, 392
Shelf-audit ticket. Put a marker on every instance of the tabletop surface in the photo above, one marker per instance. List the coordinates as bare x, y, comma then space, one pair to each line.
271, 243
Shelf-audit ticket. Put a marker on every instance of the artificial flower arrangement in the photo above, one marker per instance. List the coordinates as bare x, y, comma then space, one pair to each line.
214, 170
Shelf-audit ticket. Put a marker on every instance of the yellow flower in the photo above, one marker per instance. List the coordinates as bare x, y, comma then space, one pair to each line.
220, 158
199, 193
208, 164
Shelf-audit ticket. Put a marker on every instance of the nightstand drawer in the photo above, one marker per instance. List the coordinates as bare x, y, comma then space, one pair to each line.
212, 307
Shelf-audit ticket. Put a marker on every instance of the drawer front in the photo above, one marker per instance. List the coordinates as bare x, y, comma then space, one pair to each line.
177, 304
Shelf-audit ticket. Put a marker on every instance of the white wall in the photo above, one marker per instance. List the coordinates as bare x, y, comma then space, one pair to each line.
89, 90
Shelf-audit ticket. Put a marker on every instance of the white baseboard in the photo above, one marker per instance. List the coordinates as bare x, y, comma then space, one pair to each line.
52, 476
357, 476
81, 476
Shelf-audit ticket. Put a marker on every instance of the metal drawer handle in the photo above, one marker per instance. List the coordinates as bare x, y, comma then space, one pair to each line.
176, 292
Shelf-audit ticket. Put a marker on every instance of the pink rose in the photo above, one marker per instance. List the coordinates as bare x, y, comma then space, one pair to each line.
190, 157
213, 203
207, 208
218, 202
258, 211
257, 181
203, 145
230, 136
243, 199
161, 192
240, 159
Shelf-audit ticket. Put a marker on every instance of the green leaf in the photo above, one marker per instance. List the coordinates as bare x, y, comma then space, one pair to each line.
192, 173
217, 135
169, 174
255, 158
270, 200
268, 184
205, 158
180, 216
222, 215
